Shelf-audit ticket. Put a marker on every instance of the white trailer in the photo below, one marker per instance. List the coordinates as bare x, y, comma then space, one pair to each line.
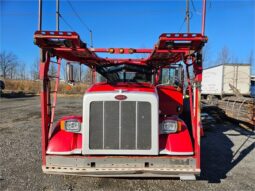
217, 80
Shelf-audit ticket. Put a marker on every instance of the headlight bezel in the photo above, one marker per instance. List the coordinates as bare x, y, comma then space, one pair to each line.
168, 126
69, 125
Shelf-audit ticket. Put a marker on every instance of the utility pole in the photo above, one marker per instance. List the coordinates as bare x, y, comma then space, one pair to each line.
203, 17
57, 15
40, 15
187, 15
91, 39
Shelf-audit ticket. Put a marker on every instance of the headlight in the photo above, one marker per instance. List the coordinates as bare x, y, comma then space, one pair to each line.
73, 126
168, 126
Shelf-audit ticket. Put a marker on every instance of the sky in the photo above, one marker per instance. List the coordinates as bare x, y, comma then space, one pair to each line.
131, 24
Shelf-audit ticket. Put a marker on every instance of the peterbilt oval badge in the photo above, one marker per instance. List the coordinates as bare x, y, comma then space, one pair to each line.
120, 97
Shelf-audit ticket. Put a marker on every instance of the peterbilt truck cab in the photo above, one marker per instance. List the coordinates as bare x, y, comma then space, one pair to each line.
129, 115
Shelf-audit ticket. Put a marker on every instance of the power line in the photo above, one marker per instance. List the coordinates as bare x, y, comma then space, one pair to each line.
210, 4
194, 8
82, 22
182, 24
63, 19
191, 15
78, 16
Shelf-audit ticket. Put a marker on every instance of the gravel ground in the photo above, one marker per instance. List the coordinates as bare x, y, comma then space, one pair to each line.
228, 155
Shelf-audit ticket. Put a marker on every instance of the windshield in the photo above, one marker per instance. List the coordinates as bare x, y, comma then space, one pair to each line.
133, 77
126, 73
128, 76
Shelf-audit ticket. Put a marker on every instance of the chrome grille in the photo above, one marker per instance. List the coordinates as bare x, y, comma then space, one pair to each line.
120, 125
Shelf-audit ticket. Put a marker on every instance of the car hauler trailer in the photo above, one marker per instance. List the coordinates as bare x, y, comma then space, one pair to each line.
222, 80
134, 123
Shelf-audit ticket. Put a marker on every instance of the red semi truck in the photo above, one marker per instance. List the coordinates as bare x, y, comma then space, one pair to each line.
135, 119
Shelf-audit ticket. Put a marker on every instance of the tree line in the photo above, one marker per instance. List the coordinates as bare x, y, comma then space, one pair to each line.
12, 68
224, 56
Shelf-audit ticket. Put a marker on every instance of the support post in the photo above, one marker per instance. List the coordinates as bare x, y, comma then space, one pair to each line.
45, 112
198, 67
197, 119
57, 15
53, 106
40, 24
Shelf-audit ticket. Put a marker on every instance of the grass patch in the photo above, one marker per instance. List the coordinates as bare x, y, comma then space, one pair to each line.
31, 86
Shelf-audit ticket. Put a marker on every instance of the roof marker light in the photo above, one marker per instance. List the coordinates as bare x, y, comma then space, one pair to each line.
111, 50
121, 50
131, 51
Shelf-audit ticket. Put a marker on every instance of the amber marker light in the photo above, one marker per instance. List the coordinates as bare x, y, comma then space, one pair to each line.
121, 50
62, 124
178, 89
179, 126
131, 51
111, 50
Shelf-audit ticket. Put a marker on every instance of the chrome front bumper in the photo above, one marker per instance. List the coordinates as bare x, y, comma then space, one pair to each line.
122, 166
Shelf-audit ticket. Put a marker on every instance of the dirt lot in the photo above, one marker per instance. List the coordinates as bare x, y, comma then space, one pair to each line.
228, 155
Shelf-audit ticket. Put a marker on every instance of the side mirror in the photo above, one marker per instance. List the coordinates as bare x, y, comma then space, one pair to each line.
69, 73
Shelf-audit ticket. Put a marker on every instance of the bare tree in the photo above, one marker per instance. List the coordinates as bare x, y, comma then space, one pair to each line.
224, 56
251, 59
206, 56
235, 60
52, 70
87, 77
8, 64
63, 71
13, 72
35, 69
22, 73
251, 62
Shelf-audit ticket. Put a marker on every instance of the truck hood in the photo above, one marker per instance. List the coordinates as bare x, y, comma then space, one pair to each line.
129, 87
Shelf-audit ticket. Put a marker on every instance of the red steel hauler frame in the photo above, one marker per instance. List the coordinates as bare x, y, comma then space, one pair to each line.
170, 49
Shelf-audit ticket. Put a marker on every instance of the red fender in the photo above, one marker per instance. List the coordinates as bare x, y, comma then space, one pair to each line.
63, 142
178, 143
